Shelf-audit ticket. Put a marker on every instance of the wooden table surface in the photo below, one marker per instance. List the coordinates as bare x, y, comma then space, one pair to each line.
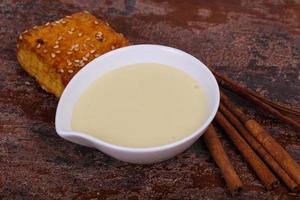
256, 43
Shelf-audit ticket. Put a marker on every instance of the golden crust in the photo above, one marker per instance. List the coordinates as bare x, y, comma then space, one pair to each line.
54, 52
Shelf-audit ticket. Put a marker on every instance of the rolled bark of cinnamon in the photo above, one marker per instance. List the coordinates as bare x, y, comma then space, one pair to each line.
265, 139
262, 171
292, 185
216, 150
229, 84
275, 149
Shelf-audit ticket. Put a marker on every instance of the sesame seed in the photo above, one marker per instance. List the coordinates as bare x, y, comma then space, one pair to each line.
56, 46
96, 55
61, 70
63, 22
70, 32
38, 45
77, 61
69, 52
27, 83
87, 55
99, 36
85, 11
75, 46
68, 16
99, 33
60, 38
72, 29
35, 27
87, 39
79, 34
107, 23
25, 31
45, 51
20, 37
96, 22
53, 55
92, 51
58, 21
70, 71
80, 64
58, 51
84, 58
47, 24
69, 62
113, 47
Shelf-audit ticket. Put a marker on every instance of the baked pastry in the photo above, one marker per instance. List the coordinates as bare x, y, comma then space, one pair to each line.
54, 52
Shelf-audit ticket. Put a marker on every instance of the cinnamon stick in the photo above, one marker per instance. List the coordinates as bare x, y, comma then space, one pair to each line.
262, 171
216, 150
275, 149
292, 185
265, 139
231, 85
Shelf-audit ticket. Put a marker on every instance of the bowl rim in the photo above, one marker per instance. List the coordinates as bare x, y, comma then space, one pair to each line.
91, 139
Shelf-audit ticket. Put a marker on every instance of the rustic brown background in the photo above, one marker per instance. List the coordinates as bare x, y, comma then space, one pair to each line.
256, 43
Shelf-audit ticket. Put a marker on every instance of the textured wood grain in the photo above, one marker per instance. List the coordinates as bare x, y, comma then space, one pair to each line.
256, 43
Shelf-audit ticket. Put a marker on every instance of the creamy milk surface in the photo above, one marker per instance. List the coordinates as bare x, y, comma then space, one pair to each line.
141, 105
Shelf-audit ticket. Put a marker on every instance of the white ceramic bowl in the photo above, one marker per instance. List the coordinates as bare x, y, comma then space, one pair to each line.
122, 57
